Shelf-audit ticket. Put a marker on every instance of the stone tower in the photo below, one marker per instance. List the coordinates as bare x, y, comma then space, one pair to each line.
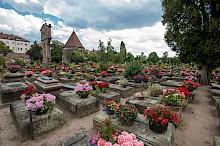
45, 39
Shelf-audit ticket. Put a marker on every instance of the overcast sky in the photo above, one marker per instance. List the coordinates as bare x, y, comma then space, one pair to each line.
136, 22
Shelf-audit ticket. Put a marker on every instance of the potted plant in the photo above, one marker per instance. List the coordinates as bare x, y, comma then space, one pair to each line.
110, 107
41, 103
69, 75
78, 74
103, 74
138, 78
28, 73
103, 87
174, 97
126, 114
83, 90
14, 68
123, 82
159, 116
27, 94
155, 90
145, 78
190, 85
90, 78
93, 84
188, 95
48, 73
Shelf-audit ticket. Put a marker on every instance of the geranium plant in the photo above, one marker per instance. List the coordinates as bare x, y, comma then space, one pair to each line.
81, 89
28, 93
126, 112
103, 86
138, 76
190, 85
174, 96
41, 102
14, 68
28, 73
48, 73
161, 115
103, 73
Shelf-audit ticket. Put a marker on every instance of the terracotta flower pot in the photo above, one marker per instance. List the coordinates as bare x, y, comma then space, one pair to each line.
158, 128
140, 98
129, 123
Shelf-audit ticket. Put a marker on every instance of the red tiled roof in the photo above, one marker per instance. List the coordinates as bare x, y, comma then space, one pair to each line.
12, 37
74, 42
17, 55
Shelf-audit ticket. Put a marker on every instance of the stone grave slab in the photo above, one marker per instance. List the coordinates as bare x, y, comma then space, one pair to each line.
83, 81
138, 86
141, 105
47, 80
69, 86
71, 102
11, 92
47, 87
124, 92
178, 79
30, 79
65, 80
41, 123
215, 92
171, 83
105, 97
13, 77
111, 79
141, 129
215, 86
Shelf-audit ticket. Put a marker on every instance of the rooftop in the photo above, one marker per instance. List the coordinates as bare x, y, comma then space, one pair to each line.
12, 37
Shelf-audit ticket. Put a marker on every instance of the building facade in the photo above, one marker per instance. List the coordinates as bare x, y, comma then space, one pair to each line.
16, 44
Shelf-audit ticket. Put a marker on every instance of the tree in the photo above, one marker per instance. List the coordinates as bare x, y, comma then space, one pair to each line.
165, 57
141, 58
129, 57
4, 49
123, 51
77, 56
56, 51
192, 30
153, 57
35, 52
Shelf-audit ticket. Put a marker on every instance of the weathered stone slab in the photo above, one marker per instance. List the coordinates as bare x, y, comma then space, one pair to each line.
69, 86
138, 86
83, 81
215, 86
47, 87
141, 129
111, 79
13, 77
141, 105
49, 81
11, 92
216, 141
124, 92
215, 92
171, 83
105, 97
41, 123
71, 102
65, 80
178, 79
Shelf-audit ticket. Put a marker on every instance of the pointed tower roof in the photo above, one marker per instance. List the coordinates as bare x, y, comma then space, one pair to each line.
74, 42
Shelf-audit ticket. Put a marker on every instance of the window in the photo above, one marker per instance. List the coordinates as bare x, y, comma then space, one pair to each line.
13, 43
13, 48
6, 42
25, 44
17, 43
21, 44
21, 49
25, 49
18, 49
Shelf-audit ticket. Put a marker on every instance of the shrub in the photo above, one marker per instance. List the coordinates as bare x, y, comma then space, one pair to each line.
132, 69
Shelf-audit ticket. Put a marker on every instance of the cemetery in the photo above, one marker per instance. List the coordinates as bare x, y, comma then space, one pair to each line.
108, 98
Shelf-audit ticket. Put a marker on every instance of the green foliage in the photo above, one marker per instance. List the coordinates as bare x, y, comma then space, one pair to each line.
132, 69
141, 58
104, 66
153, 57
4, 49
20, 62
77, 56
93, 57
155, 89
56, 51
122, 52
165, 57
129, 57
35, 52
2, 61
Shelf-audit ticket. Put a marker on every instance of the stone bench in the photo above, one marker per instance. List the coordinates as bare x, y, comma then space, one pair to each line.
71, 102
41, 123
141, 129
11, 92
124, 92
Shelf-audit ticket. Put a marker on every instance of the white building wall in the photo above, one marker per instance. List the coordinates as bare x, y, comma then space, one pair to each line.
17, 46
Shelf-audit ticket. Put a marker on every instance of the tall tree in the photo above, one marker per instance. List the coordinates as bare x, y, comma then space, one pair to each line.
192, 30
35, 52
123, 51
56, 51
165, 57
4, 49
153, 57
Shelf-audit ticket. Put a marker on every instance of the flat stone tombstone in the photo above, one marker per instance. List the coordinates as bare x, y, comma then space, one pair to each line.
215, 92
105, 97
179, 79
41, 123
71, 102
141, 105
124, 92
65, 80
171, 83
11, 92
111, 79
138, 86
13, 77
141, 129
215, 86
69, 86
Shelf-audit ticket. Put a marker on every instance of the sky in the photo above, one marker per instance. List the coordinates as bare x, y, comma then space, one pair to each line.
135, 22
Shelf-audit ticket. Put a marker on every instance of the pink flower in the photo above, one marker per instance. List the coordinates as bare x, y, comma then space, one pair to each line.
115, 144
127, 143
108, 144
164, 91
125, 133
121, 139
101, 142
128, 138
133, 136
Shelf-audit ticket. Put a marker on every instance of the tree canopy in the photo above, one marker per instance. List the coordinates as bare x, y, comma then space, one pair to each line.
153, 57
4, 49
56, 51
35, 52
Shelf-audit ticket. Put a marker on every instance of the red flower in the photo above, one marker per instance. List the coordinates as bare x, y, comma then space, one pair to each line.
31, 88
104, 73
25, 92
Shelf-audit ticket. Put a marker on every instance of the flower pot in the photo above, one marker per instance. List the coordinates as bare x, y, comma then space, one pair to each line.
138, 80
85, 95
140, 98
109, 111
145, 80
158, 128
129, 123
13, 70
26, 98
30, 75
41, 111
